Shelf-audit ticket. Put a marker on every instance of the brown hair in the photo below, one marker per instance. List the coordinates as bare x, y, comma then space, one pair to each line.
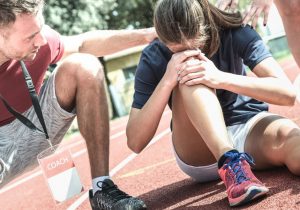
177, 21
10, 8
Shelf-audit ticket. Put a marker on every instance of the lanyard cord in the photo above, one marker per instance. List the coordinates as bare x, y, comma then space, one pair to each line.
35, 103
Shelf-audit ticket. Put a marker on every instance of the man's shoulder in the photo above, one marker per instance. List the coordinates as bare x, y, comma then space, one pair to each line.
50, 34
54, 46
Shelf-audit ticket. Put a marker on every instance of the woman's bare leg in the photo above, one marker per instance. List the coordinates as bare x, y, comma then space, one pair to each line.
275, 141
199, 131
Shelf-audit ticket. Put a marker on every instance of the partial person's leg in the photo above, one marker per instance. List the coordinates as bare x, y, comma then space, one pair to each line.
192, 154
275, 141
289, 11
80, 83
200, 137
20, 145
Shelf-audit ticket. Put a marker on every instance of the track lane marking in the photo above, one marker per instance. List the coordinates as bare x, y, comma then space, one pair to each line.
121, 165
143, 170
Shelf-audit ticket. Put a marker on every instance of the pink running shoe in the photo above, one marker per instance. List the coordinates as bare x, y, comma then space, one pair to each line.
241, 184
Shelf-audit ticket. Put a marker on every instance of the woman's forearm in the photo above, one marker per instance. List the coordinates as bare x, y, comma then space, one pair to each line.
143, 123
268, 89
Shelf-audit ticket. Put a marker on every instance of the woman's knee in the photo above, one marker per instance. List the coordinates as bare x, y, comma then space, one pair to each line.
196, 89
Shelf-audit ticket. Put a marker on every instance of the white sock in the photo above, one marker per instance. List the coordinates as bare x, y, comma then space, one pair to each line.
97, 183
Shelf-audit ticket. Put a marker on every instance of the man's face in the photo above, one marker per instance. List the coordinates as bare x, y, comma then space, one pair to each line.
23, 38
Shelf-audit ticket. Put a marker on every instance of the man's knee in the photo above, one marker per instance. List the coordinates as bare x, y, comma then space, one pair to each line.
82, 66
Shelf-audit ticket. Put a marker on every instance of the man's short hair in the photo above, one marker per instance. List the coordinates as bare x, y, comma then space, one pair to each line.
9, 9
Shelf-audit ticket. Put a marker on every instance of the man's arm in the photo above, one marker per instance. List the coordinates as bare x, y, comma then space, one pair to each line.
104, 42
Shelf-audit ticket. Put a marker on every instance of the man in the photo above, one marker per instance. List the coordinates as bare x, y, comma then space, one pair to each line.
76, 88
289, 11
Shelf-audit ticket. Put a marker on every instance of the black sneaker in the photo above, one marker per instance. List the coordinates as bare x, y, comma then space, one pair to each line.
112, 198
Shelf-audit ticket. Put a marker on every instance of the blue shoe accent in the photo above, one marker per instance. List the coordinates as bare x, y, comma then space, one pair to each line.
233, 162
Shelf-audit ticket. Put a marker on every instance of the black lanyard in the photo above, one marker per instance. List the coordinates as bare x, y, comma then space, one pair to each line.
35, 103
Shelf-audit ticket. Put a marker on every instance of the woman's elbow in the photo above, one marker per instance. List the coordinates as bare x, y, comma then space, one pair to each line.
134, 147
132, 144
290, 98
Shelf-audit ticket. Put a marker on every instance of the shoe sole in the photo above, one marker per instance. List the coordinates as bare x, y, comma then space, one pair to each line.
252, 193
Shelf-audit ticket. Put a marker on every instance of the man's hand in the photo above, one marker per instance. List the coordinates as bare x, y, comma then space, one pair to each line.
257, 7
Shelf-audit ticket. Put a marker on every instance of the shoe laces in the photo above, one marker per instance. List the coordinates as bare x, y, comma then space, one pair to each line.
235, 165
111, 194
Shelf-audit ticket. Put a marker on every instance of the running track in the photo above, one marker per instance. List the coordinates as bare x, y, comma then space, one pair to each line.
153, 175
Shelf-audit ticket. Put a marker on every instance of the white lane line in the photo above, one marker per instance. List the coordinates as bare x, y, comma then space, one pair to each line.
39, 172
166, 112
117, 135
121, 165
133, 155
71, 145
118, 126
112, 137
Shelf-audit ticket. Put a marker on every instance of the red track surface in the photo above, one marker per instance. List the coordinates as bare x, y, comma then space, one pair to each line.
154, 176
